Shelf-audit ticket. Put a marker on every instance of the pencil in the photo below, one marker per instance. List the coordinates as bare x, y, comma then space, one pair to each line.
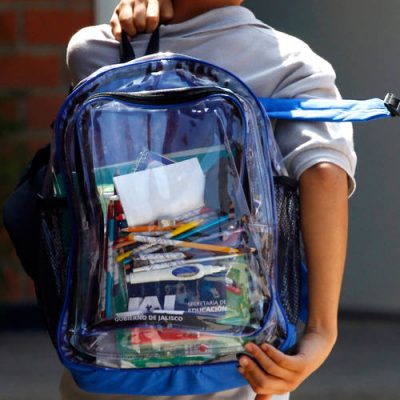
181, 243
150, 228
183, 228
177, 243
152, 247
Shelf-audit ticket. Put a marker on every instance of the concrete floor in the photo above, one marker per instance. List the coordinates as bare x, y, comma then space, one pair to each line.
364, 365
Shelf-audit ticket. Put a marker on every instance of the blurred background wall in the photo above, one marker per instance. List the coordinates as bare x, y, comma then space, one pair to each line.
360, 39
362, 46
33, 84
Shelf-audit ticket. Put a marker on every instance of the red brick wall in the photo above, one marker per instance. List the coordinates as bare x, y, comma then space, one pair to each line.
33, 84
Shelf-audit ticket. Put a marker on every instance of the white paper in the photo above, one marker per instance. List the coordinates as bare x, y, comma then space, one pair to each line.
163, 192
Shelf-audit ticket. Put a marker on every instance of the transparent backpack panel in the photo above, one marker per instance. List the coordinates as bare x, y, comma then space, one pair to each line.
175, 245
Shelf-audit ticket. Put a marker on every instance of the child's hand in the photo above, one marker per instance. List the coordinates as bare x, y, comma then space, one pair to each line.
136, 16
282, 373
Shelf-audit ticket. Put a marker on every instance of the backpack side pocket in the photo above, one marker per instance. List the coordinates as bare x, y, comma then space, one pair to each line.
21, 212
54, 243
289, 247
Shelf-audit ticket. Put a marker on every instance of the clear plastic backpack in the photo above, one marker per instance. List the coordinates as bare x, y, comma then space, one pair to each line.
168, 228
168, 166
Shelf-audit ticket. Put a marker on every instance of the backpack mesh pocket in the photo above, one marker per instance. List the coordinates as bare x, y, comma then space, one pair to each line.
52, 261
289, 250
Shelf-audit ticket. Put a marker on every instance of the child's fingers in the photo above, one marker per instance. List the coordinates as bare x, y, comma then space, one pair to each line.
153, 15
252, 373
261, 382
135, 16
139, 15
115, 26
267, 364
291, 363
126, 19
166, 10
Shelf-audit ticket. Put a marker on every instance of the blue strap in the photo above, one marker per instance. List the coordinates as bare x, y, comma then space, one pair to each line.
325, 110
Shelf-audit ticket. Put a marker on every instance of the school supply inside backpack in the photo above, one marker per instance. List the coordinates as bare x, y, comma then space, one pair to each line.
169, 229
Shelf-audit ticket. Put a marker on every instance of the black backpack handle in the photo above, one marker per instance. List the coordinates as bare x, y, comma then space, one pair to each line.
126, 51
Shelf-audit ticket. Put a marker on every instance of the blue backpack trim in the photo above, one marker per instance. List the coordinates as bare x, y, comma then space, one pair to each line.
326, 110
170, 381
291, 338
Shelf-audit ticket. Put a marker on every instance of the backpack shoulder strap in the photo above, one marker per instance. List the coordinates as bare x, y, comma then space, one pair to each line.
331, 110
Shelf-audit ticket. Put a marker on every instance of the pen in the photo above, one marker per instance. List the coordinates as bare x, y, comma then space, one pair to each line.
152, 259
163, 256
178, 263
133, 264
186, 272
124, 242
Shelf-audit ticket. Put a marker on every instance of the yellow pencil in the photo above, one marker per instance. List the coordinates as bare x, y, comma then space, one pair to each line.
182, 229
181, 243
150, 228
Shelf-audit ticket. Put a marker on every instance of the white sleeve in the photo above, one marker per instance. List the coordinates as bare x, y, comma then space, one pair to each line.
304, 144
89, 49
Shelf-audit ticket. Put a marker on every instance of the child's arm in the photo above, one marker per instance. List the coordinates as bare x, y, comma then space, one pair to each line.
324, 214
137, 16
